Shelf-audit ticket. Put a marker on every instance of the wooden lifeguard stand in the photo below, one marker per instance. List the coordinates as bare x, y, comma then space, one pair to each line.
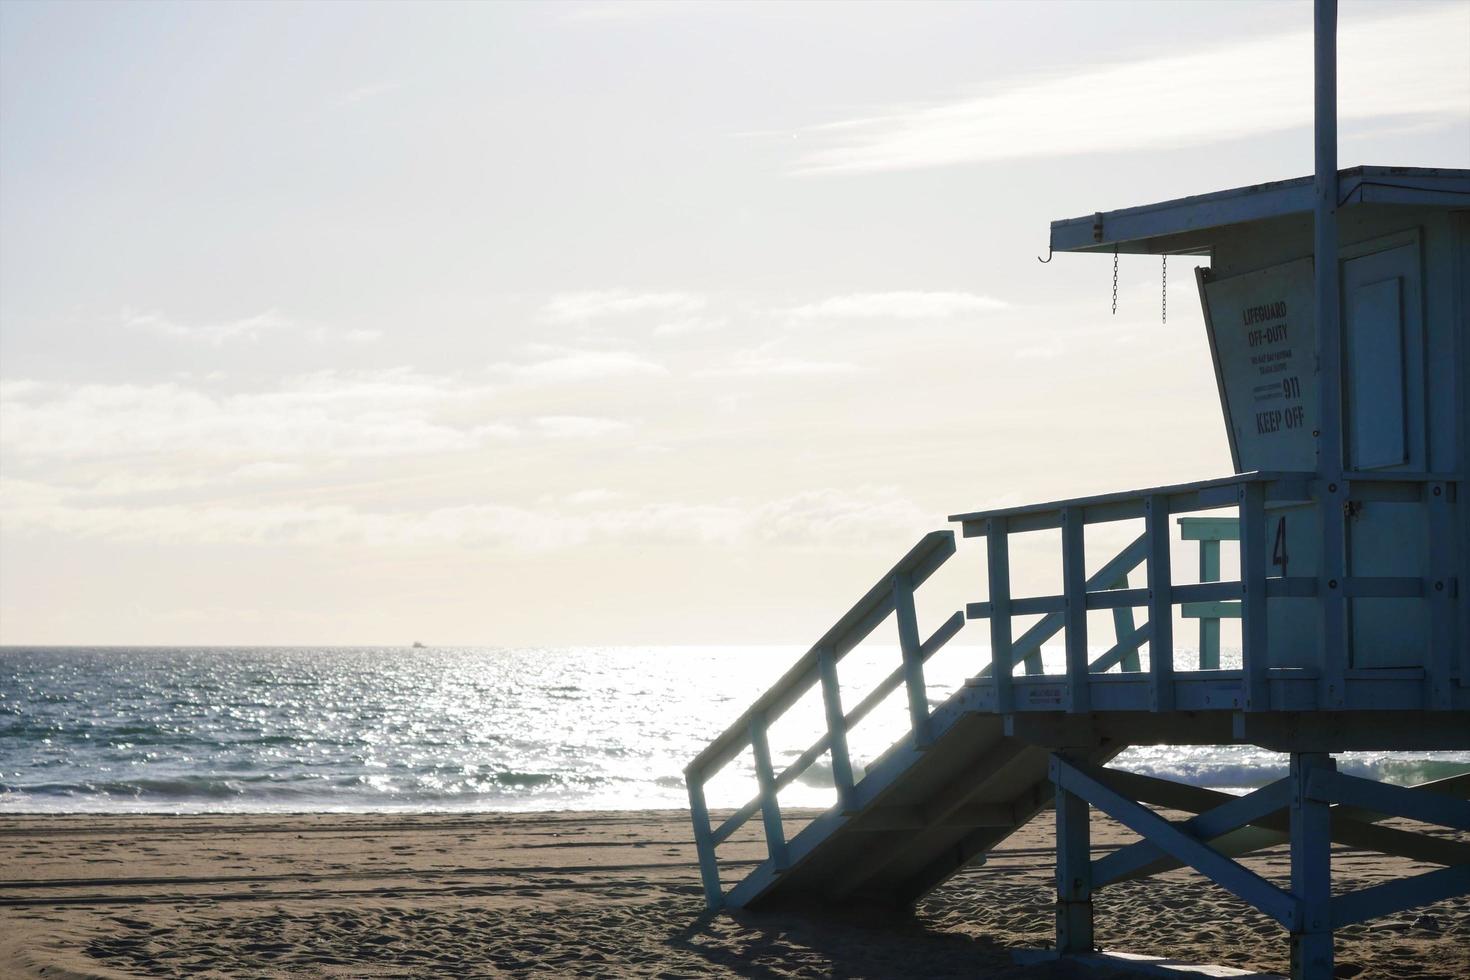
1345, 389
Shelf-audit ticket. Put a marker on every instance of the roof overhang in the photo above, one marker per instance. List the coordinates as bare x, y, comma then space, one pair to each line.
1181, 226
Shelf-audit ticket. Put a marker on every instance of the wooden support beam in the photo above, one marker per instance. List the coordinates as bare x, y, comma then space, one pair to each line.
1123, 630
1125, 651
1074, 584
1255, 655
836, 728
1231, 814
1400, 894
1074, 875
1160, 605
704, 846
998, 560
1242, 882
1209, 626
913, 661
1329, 786
1311, 869
770, 806
1351, 827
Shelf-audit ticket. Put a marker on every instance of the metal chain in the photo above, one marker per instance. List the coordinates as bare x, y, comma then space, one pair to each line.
1166, 289
1115, 280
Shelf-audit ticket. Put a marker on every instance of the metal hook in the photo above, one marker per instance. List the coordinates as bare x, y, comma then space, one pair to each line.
1048, 256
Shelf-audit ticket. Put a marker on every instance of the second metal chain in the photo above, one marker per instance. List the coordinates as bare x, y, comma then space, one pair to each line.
1166, 290
1115, 280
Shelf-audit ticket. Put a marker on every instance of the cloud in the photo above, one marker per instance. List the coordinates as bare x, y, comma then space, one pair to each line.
250, 329
896, 306
767, 360
324, 414
582, 307
560, 366
825, 518
1410, 65
579, 426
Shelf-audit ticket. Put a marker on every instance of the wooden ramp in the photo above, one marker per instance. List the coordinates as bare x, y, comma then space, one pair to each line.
1014, 740
918, 817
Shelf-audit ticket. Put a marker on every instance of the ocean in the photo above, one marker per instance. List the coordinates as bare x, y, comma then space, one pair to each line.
176, 730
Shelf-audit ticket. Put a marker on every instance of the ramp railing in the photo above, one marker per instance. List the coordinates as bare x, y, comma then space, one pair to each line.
1255, 498
1246, 493
1262, 577
892, 595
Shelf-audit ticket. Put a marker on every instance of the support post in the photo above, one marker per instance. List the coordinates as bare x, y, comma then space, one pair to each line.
998, 562
1160, 604
1074, 874
913, 659
1311, 870
1123, 628
1333, 494
704, 842
770, 806
1209, 626
1074, 585
836, 727
1253, 653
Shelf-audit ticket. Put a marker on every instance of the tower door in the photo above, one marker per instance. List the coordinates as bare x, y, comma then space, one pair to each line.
1385, 430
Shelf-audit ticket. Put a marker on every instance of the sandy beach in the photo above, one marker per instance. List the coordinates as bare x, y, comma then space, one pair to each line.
608, 894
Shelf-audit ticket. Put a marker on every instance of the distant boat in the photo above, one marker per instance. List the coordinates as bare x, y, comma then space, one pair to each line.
419, 646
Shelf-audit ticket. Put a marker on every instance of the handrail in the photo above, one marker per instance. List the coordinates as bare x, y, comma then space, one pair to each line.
1288, 486
1106, 589
893, 594
932, 551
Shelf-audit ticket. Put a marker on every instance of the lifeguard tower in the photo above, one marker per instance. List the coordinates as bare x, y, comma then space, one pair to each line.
1345, 390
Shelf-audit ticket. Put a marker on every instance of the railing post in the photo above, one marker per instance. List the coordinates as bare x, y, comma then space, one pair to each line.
1123, 626
1254, 654
1074, 587
1311, 871
704, 842
836, 727
913, 659
1209, 626
1074, 873
998, 562
770, 807
1160, 604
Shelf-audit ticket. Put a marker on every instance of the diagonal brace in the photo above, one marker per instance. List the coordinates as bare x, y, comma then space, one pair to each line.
1395, 801
1400, 894
1237, 812
1351, 826
1088, 783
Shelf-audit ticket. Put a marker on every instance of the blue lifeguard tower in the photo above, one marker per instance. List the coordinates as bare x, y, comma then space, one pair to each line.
1345, 391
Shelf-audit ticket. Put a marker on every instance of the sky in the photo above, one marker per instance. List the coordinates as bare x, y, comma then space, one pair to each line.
609, 324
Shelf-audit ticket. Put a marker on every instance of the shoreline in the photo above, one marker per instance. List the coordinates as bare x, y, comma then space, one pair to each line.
595, 893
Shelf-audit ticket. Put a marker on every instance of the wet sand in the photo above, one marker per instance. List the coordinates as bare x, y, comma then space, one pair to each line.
584, 894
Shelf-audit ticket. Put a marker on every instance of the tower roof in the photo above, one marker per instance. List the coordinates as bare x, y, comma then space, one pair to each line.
1184, 226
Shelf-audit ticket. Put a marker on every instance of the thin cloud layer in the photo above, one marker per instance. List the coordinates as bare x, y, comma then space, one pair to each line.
581, 307
896, 306
556, 366
1409, 65
327, 414
250, 329
825, 518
